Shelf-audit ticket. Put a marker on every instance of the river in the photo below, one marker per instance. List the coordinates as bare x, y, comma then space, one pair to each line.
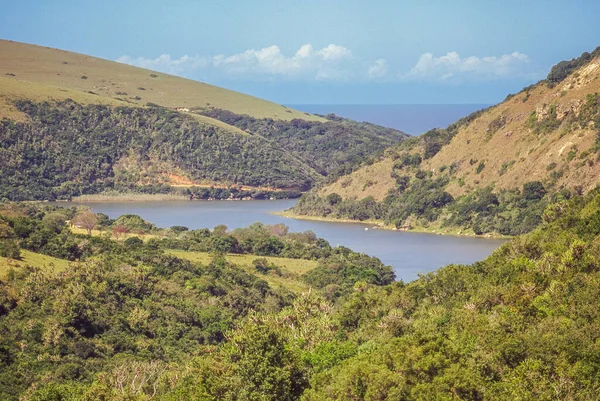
410, 254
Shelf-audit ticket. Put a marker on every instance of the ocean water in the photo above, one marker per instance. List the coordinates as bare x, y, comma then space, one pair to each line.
413, 119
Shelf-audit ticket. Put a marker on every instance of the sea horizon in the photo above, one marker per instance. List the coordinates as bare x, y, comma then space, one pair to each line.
413, 119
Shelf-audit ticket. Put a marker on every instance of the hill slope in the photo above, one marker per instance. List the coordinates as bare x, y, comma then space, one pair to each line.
112, 80
547, 133
74, 124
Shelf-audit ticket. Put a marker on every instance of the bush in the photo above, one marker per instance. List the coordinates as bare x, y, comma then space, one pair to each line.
534, 190
9, 248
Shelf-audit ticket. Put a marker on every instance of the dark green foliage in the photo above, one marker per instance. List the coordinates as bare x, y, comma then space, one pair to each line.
344, 268
480, 167
508, 328
533, 190
424, 198
67, 149
407, 160
507, 212
326, 147
267, 367
129, 312
9, 248
133, 223
334, 199
562, 70
82, 146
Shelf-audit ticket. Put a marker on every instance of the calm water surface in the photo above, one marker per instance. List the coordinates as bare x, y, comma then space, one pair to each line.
409, 253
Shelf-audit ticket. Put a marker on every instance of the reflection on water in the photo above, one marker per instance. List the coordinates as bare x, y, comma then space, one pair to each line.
409, 253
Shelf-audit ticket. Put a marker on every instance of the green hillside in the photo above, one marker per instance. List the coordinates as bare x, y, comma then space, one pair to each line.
68, 129
130, 321
138, 297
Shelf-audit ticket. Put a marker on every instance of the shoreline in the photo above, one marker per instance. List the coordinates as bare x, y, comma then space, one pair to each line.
151, 198
379, 225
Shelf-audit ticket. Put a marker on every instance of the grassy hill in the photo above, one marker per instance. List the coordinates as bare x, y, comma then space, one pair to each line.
112, 81
76, 125
547, 133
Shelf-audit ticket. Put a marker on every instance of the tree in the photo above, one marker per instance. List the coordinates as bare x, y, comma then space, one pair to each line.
87, 220
534, 190
334, 199
54, 221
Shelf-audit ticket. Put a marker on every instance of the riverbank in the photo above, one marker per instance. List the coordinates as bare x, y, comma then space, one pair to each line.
380, 225
128, 197
133, 197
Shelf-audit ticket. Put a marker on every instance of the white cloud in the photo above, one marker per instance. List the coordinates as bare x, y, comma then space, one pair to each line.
336, 63
379, 69
454, 67
330, 63
166, 64
335, 53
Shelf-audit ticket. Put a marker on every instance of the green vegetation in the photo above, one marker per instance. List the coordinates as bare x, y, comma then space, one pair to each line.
480, 167
93, 149
563, 69
133, 322
337, 146
424, 200
147, 305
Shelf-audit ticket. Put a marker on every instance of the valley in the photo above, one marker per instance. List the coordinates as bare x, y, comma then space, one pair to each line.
162, 238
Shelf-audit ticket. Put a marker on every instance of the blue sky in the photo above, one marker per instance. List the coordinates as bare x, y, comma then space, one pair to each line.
327, 51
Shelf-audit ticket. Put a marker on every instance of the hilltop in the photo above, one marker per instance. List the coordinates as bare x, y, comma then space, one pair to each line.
119, 83
76, 125
547, 136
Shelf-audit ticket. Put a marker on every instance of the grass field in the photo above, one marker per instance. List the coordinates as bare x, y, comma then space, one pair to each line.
34, 260
61, 71
109, 234
292, 268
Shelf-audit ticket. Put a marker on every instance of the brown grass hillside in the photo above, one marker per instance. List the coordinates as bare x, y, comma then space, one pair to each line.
63, 74
535, 135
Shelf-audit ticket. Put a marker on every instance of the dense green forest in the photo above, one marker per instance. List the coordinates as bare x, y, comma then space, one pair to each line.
422, 200
344, 143
130, 322
66, 149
